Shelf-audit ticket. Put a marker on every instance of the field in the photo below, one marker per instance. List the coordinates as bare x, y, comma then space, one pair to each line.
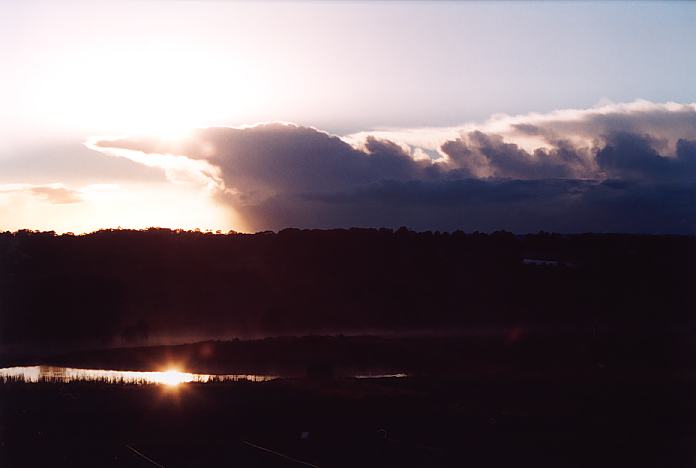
604, 419
540, 350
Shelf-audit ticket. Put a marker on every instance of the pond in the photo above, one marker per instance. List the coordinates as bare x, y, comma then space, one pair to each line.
167, 377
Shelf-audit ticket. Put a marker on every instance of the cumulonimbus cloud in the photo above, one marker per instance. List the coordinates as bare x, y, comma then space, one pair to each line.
619, 167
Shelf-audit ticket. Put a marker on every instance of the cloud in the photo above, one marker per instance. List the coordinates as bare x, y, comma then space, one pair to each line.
52, 193
629, 156
581, 127
482, 155
273, 158
558, 205
180, 168
619, 167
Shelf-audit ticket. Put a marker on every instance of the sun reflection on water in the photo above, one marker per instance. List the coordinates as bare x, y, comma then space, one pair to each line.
170, 377
173, 377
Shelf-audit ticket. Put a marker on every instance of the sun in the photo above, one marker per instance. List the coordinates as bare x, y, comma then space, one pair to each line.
164, 88
174, 377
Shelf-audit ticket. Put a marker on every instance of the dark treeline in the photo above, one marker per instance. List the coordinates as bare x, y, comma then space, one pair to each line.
128, 287
509, 354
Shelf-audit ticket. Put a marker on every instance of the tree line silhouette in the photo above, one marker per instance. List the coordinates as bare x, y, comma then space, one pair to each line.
130, 287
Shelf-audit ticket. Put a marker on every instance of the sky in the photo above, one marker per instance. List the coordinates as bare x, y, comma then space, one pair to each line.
566, 116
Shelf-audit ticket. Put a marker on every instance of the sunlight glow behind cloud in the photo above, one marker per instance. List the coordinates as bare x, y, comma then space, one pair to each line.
174, 86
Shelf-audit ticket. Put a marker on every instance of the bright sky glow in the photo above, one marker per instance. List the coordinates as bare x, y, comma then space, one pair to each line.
76, 69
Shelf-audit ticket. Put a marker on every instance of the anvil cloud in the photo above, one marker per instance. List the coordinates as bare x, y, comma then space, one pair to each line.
618, 167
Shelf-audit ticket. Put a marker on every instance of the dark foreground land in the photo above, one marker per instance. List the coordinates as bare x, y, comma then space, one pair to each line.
518, 398
604, 420
130, 288
542, 350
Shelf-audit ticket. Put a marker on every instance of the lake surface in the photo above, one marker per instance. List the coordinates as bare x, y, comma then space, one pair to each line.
167, 377
33, 374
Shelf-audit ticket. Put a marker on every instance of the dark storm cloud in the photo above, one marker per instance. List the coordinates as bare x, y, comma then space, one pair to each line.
637, 175
621, 155
628, 156
483, 155
519, 205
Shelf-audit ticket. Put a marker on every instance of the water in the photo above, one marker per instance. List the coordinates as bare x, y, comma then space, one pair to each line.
168, 377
